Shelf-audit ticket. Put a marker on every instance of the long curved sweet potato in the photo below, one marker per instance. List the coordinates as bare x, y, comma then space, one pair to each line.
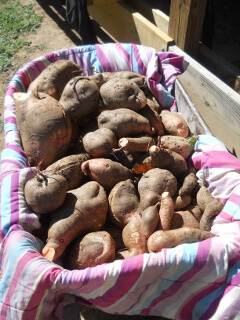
84, 210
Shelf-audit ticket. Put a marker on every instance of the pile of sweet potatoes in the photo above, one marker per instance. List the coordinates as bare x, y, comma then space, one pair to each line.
113, 172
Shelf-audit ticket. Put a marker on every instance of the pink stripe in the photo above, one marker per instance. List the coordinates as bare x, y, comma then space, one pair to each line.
225, 216
10, 120
139, 60
45, 283
10, 91
103, 60
126, 279
235, 198
199, 263
126, 55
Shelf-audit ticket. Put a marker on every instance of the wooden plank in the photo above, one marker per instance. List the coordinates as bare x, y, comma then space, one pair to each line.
185, 25
216, 102
125, 25
154, 15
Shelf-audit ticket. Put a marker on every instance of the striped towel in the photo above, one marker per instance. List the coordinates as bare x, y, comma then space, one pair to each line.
192, 281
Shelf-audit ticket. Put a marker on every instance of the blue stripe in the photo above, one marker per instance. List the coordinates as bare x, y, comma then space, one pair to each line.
8, 126
8, 153
17, 82
6, 203
233, 209
206, 139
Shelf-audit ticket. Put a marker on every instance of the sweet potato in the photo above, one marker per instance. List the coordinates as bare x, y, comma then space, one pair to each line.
160, 158
124, 122
116, 233
139, 79
70, 168
189, 183
182, 219
93, 249
178, 144
153, 117
181, 202
136, 144
106, 172
54, 78
44, 126
137, 231
80, 97
123, 203
166, 211
153, 183
125, 157
174, 124
100, 143
84, 210
169, 239
45, 193
210, 207
122, 93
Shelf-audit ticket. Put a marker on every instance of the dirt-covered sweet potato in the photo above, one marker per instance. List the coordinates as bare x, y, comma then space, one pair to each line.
178, 144
160, 158
154, 118
188, 184
153, 183
84, 210
93, 249
171, 238
174, 124
44, 127
183, 218
123, 203
54, 78
70, 168
80, 97
181, 202
100, 143
106, 172
210, 207
139, 79
45, 193
124, 122
122, 93
166, 211
137, 231
136, 144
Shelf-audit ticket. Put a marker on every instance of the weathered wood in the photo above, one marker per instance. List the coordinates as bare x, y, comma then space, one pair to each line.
126, 25
154, 15
185, 25
98, 2
216, 102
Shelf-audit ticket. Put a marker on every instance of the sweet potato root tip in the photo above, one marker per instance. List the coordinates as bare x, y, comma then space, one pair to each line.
48, 253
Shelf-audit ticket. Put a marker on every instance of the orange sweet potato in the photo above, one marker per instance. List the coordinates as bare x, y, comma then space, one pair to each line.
182, 219
169, 239
166, 211
174, 124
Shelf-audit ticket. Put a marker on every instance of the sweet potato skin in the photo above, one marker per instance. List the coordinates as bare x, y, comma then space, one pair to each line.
93, 249
44, 126
100, 143
177, 144
53, 78
84, 210
122, 93
43, 187
169, 239
124, 122
153, 183
106, 172
123, 203
174, 124
70, 168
